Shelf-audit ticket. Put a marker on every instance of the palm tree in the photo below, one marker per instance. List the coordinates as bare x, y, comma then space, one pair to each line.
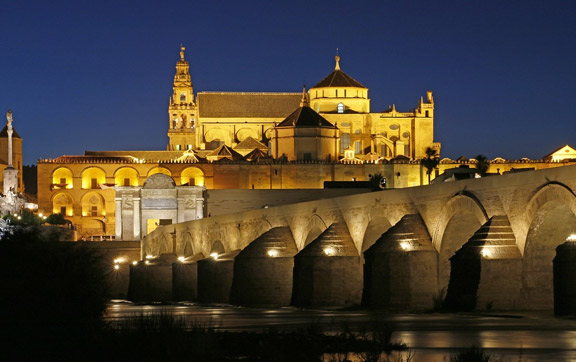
482, 164
430, 161
377, 181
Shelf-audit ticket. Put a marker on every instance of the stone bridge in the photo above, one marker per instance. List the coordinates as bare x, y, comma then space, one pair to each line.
487, 243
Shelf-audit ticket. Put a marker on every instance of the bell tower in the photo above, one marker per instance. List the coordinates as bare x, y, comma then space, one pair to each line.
182, 109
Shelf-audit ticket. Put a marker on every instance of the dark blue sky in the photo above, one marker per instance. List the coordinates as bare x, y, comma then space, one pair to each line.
97, 75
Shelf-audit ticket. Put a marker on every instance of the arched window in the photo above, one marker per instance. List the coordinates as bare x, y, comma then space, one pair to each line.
62, 178
159, 169
183, 97
126, 176
340, 108
344, 141
92, 178
192, 176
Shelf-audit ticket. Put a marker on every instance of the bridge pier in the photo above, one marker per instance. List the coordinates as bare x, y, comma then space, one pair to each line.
565, 279
401, 268
215, 276
185, 279
328, 272
486, 272
151, 280
263, 270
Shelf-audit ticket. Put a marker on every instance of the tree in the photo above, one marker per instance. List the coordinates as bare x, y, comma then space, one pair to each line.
482, 164
430, 161
56, 219
377, 181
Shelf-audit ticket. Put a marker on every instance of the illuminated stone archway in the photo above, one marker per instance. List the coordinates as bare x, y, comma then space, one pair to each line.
192, 176
377, 226
92, 178
552, 216
462, 215
62, 178
314, 228
62, 203
126, 176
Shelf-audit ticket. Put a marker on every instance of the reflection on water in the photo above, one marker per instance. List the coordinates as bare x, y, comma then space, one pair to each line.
431, 337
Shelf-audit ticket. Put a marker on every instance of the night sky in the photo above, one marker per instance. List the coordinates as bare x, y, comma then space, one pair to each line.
97, 75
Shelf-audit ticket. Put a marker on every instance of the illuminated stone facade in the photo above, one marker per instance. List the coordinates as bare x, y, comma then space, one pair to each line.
238, 140
215, 118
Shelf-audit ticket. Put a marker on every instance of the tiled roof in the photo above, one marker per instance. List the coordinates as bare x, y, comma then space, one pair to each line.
224, 152
4, 133
241, 104
94, 159
305, 117
256, 155
338, 79
249, 144
142, 155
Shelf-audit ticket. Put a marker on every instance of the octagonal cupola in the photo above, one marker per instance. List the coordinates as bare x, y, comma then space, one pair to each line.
339, 93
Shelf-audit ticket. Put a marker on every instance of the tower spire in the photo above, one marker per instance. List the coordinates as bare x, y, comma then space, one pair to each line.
304, 100
10, 132
182, 48
337, 57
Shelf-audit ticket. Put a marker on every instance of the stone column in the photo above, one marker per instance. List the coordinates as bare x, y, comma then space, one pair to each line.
199, 208
137, 226
180, 212
118, 218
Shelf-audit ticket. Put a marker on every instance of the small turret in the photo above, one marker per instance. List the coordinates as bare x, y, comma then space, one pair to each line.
304, 100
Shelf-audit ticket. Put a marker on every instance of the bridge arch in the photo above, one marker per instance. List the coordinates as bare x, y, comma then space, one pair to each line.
303, 235
460, 218
165, 246
185, 247
217, 248
375, 228
551, 215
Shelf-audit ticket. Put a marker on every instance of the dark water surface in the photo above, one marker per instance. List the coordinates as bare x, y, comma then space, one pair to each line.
431, 337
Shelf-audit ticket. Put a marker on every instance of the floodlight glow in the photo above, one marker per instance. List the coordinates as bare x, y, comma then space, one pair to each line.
572, 237
134, 262
405, 245
116, 266
214, 256
486, 252
330, 251
273, 253
181, 259
147, 262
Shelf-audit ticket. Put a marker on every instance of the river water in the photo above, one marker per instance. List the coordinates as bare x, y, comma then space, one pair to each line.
431, 337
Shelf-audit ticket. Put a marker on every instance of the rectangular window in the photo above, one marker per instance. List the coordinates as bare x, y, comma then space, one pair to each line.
178, 147
126, 182
358, 147
94, 211
62, 180
63, 210
191, 181
94, 183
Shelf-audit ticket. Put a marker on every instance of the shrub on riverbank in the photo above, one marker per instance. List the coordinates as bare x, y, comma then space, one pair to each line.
52, 295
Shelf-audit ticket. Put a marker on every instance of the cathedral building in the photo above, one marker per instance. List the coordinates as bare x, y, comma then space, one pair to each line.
240, 140
212, 119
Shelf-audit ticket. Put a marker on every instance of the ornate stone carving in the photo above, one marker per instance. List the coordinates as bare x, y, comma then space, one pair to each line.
159, 181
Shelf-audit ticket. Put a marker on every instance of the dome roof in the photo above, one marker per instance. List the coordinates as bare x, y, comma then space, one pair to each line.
339, 79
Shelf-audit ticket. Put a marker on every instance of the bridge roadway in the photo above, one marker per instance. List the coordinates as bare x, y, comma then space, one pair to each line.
392, 248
